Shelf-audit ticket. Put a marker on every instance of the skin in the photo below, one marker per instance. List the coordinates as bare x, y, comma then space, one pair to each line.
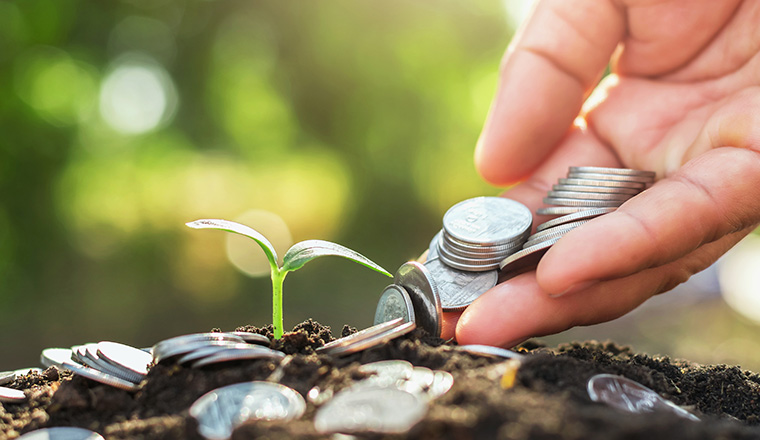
683, 100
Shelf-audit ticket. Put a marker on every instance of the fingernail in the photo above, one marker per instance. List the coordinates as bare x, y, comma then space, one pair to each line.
575, 288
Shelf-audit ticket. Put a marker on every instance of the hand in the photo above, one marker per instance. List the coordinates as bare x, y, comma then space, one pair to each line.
683, 100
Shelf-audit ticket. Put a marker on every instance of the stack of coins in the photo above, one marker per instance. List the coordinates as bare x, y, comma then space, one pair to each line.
479, 233
586, 193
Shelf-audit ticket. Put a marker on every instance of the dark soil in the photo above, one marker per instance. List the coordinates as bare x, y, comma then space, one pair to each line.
547, 401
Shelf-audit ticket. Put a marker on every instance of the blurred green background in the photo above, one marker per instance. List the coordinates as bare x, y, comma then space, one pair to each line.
346, 121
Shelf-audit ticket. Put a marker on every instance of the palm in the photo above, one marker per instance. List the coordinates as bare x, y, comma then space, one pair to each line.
684, 85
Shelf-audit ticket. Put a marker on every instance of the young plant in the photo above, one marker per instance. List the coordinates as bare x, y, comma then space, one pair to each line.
295, 258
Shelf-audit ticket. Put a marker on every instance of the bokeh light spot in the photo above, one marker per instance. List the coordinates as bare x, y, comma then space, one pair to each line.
739, 276
137, 96
246, 254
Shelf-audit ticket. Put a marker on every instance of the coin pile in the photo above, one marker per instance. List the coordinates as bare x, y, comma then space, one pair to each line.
478, 233
220, 411
201, 349
110, 363
390, 401
586, 193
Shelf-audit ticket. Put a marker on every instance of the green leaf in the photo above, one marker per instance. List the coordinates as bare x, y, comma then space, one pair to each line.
237, 228
305, 251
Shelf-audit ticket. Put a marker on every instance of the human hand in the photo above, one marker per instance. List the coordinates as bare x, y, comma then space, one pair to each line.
683, 100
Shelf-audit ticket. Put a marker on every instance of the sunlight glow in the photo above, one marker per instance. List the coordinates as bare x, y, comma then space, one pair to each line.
137, 96
739, 277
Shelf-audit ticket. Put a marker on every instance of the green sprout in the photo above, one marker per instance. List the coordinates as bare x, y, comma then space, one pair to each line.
295, 258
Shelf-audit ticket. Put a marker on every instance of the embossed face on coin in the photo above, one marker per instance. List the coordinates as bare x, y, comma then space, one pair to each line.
394, 303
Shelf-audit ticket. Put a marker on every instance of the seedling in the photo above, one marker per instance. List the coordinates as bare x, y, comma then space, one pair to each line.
295, 258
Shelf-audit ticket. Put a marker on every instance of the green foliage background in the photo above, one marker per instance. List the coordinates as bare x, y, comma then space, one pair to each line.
353, 121
348, 121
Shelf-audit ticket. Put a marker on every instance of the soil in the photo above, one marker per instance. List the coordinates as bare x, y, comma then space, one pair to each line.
547, 400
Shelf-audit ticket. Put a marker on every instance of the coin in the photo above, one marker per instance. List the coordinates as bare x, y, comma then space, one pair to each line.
526, 259
464, 250
55, 357
239, 354
131, 361
209, 350
371, 410
7, 377
186, 343
584, 203
458, 289
617, 171
10, 395
588, 195
561, 210
596, 189
394, 368
88, 356
61, 433
433, 248
603, 183
394, 303
419, 283
423, 377
555, 232
580, 215
488, 350
487, 220
220, 411
442, 383
252, 338
628, 395
612, 177
368, 338
99, 376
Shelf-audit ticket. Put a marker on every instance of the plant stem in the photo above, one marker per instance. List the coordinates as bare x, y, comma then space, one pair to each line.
278, 277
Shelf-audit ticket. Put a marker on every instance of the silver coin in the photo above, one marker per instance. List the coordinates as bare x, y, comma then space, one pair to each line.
220, 411
10, 395
612, 177
583, 203
596, 189
419, 283
488, 350
555, 232
239, 354
619, 171
99, 376
477, 259
394, 368
487, 220
55, 357
371, 410
394, 302
374, 336
422, 376
602, 183
89, 354
209, 350
588, 195
581, 215
469, 264
526, 259
457, 288
446, 240
464, 250
561, 210
7, 377
186, 343
61, 433
131, 360
252, 338
442, 383
628, 395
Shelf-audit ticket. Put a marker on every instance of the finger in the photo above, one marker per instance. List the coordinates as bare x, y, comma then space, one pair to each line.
664, 36
711, 196
519, 309
550, 67
578, 148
